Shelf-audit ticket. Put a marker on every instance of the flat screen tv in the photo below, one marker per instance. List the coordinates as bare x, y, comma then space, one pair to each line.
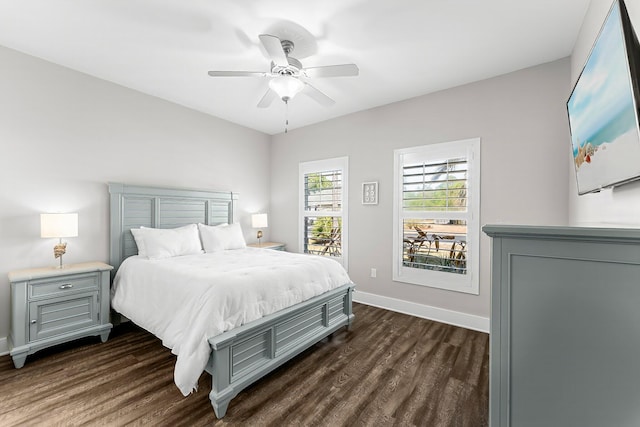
603, 107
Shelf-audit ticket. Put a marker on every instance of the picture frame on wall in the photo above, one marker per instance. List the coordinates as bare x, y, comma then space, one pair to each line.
370, 193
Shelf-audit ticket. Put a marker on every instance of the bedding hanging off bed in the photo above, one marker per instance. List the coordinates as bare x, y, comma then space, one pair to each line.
185, 300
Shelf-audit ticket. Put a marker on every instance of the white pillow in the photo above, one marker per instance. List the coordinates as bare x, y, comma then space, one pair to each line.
139, 238
221, 237
157, 243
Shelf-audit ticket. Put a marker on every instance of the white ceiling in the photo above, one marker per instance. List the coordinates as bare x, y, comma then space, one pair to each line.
404, 48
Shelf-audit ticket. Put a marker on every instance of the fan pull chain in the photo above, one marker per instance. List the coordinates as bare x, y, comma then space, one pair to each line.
286, 116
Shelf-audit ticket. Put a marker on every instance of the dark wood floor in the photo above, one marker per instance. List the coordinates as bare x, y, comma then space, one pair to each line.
390, 369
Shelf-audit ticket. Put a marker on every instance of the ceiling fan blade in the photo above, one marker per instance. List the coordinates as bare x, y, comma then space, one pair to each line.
237, 74
344, 70
318, 96
267, 99
273, 46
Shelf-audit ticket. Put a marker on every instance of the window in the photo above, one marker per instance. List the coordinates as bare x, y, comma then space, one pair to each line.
437, 215
323, 208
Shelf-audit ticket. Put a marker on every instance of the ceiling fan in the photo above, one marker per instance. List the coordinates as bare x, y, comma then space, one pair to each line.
288, 76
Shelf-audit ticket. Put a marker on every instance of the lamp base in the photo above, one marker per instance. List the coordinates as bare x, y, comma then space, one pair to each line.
59, 250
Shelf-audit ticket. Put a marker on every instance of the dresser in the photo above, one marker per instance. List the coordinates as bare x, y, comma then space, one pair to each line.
50, 306
268, 245
565, 326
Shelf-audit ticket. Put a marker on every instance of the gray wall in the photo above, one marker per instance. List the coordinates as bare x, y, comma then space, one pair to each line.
521, 120
64, 135
613, 207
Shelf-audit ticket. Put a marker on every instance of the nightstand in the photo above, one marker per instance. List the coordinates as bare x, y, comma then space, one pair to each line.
268, 245
50, 306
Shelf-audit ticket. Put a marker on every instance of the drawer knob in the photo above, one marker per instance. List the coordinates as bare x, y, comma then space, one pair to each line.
34, 321
66, 286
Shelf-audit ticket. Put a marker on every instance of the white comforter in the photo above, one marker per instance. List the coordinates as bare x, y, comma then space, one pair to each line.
186, 300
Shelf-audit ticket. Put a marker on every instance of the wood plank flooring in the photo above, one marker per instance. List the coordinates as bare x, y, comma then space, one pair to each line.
389, 370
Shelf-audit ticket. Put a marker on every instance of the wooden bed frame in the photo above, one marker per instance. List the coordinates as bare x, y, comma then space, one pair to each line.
243, 355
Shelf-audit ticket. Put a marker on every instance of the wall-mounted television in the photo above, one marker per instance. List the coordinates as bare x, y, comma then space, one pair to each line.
603, 107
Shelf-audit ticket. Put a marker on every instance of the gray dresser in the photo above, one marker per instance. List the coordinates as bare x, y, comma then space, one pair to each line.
50, 306
565, 326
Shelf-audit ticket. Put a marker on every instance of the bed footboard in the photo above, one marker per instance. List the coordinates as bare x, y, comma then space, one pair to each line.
243, 355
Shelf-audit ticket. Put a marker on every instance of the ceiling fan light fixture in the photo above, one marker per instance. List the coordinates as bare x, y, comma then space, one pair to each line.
286, 86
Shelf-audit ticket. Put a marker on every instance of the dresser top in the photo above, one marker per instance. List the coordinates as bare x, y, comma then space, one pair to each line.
561, 232
38, 273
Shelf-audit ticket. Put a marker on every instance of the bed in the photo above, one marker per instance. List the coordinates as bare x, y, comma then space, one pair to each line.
237, 357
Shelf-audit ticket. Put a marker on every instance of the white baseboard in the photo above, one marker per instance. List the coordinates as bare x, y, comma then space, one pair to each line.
4, 346
456, 318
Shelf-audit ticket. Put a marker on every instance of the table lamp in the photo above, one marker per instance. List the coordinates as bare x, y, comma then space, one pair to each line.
59, 225
259, 221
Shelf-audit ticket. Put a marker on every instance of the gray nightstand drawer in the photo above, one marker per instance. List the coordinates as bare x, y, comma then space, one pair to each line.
62, 286
59, 315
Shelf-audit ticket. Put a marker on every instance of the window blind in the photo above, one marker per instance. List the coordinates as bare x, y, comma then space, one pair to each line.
323, 203
434, 233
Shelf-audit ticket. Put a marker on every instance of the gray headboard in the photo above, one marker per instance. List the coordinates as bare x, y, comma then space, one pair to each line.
133, 206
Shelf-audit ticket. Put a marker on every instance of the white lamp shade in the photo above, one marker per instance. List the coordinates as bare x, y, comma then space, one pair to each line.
59, 225
286, 86
259, 221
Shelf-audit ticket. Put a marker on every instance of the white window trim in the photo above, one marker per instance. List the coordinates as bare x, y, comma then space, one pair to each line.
467, 283
338, 163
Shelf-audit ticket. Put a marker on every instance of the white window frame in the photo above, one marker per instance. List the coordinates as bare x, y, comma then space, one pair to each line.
467, 283
338, 163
